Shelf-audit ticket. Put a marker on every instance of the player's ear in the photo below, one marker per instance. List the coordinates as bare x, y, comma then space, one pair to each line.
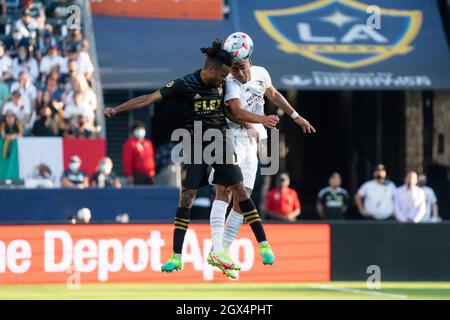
250, 62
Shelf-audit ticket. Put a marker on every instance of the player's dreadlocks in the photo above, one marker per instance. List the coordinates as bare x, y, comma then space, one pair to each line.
216, 55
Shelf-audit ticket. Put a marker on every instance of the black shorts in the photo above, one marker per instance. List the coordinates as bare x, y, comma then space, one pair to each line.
227, 172
195, 176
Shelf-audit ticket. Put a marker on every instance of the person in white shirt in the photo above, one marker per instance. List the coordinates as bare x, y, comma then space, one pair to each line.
24, 62
52, 60
16, 105
27, 89
5, 64
375, 198
79, 84
27, 26
85, 66
77, 108
246, 87
432, 213
410, 203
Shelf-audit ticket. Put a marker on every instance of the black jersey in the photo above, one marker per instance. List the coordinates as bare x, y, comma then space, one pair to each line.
198, 101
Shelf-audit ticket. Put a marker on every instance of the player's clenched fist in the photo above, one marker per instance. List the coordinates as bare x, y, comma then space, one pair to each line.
270, 121
109, 112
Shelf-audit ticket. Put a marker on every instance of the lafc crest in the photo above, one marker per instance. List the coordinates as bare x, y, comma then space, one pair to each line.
334, 32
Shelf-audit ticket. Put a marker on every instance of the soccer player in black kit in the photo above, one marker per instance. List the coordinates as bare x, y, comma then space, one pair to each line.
200, 95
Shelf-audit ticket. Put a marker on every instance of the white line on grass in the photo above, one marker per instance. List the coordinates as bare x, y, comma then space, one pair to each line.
349, 290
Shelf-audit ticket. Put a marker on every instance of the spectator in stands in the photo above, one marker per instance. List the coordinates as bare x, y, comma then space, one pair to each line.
10, 127
85, 62
104, 177
78, 107
16, 105
14, 41
27, 90
26, 27
332, 201
80, 127
378, 196
67, 78
47, 124
53, 60
282, 202
85, 66
46, 40
36, 10
52, 94
25, 62
74, 177
80, 85
138, 157
73, 39
432, 212
5, 64
410, 202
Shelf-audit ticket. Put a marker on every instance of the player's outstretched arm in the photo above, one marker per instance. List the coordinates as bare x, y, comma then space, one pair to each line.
133, 104
280, 101
239, 115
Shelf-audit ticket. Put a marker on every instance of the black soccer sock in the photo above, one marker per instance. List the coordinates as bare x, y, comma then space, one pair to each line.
181, 224
251, 215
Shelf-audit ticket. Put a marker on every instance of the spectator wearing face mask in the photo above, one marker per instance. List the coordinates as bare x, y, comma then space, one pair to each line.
24, 62
432, 213
138, 157
104, 177
410, 203
375, 198
282, 202
74, 177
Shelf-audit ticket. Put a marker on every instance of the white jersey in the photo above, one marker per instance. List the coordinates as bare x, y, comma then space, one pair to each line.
378, 198
251, 95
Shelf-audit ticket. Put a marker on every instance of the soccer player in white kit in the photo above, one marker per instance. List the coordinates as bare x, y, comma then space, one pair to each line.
246, 87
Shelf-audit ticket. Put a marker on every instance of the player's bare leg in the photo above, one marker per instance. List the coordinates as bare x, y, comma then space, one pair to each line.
181, 224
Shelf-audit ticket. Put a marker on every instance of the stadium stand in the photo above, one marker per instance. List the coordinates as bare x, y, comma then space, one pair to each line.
45, 56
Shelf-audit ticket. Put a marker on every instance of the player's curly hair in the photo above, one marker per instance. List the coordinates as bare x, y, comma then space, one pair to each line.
216, 55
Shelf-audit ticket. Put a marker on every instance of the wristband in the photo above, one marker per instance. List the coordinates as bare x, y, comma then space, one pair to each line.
294, 115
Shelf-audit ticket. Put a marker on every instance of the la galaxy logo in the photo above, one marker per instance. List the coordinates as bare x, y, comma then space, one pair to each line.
334, 32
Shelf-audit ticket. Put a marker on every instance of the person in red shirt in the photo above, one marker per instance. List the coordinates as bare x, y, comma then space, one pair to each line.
282, 202
138, 160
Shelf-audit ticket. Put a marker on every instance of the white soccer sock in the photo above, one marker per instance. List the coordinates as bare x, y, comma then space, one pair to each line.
232, 226
217, 222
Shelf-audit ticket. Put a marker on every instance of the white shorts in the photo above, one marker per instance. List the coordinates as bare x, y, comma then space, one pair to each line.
247, 157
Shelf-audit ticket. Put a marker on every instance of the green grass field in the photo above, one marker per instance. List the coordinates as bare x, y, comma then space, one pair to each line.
236, 290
